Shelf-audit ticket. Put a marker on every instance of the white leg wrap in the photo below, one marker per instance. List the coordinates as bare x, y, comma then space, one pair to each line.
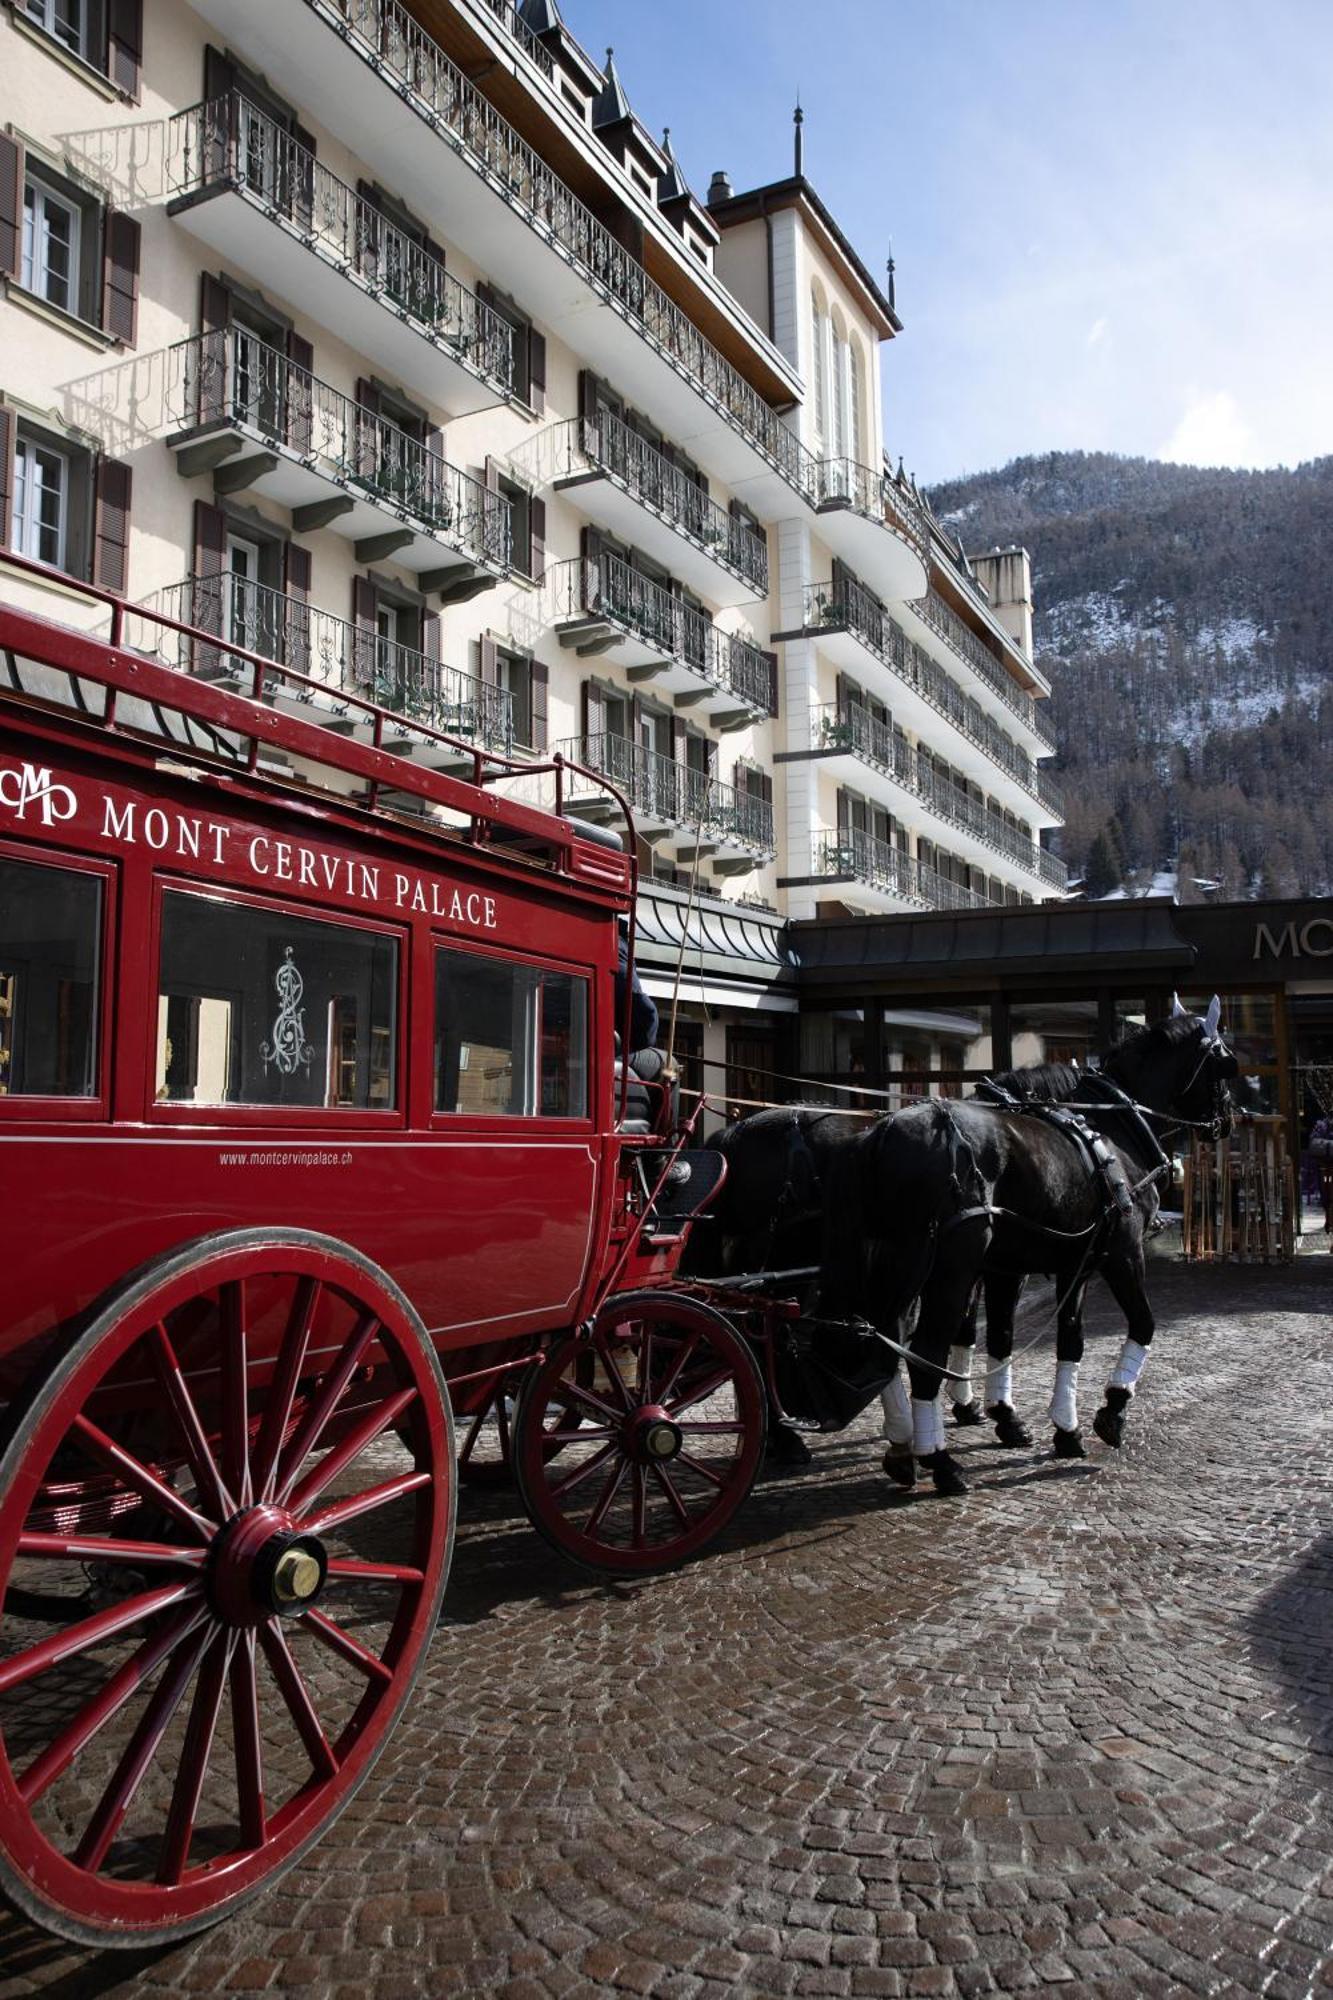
1064, 1401
960, 1363
1000, 1384
897, 1406
1129, 1367
927, 1426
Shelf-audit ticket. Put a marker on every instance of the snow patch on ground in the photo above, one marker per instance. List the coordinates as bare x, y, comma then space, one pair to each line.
1100, 619
1231, 636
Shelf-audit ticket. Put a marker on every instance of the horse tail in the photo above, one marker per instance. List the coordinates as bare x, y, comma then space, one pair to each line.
893, 1194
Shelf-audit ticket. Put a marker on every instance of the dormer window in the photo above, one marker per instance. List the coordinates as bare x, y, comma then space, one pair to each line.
641, 180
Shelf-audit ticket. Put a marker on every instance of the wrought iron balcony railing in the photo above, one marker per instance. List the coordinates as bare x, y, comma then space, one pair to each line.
850, 726
1050, 793
964, 641
658, 788
845, 851
607, 587
232, 377
872, 494
848, 604
1052, 869
608, 442
229, 143
517, 28
392, 41
347, 658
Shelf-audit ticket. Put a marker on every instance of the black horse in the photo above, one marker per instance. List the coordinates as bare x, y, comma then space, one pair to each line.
928, 1202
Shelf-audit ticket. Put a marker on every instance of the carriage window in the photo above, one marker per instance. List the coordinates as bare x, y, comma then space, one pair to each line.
50, 924
510, 1040
259, 1007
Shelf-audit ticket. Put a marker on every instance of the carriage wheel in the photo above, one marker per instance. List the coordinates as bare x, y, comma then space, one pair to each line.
672, 1417
226, 1518
497, 1468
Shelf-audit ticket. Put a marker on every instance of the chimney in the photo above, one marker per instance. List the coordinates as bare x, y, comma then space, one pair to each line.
719, 188
1006, 577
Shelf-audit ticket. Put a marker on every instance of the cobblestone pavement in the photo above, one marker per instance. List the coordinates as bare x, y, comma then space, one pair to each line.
1075, 1730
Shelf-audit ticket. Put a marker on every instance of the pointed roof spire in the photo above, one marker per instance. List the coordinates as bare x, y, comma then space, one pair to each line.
798, 120
610, 104
672, 184
540, 15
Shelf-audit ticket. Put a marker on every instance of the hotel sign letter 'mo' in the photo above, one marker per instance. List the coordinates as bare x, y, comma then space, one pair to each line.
1313, 939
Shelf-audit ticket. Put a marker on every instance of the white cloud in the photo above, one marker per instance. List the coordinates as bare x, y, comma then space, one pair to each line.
1211, 432
1096, 333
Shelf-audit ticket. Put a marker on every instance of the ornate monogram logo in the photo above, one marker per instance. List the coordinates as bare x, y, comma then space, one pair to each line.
288, 1050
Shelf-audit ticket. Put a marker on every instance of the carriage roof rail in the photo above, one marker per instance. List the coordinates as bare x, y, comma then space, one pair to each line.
134, 681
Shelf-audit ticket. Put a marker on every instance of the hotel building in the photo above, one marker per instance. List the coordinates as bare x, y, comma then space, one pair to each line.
386, 341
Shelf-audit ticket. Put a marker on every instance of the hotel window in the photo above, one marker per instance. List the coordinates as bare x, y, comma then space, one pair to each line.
105, 34
52, 233
72, 23
59, 504
817, 369
42, 482
856, 399
63, 246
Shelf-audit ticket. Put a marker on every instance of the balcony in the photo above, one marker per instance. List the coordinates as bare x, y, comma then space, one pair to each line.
259, 423
848, 855
370, 72
869, 524
604, 606
850, 741
619, 480
343, 658
963, 640
672, 802
262, 202
848, 624
518, 30
1052, 870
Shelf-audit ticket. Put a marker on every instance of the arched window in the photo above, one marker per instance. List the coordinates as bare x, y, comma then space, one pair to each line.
839, 389
856, 404
818, 336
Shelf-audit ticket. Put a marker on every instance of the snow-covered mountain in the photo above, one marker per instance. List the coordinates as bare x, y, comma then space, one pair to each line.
1185, 617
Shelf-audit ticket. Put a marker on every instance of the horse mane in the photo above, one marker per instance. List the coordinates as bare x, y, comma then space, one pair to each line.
1166, 1034
1045, 1083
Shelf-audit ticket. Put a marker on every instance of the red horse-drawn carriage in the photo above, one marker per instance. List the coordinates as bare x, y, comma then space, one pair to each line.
314, 1144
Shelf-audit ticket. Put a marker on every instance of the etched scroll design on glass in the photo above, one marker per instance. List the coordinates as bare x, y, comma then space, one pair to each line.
288, 1050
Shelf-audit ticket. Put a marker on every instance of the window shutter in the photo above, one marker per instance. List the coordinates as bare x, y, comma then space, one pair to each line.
594, 713
124, 39
111, 524
771, 662
6, 475
678, 733
365, 639
297, 612
367, 434
300, 394
591, 439
120, 277
540, 679
844, 811
214, 305
369, 229
11, 206
210, 560
488, 657
536, 538
430, 634
219, 74
536, 370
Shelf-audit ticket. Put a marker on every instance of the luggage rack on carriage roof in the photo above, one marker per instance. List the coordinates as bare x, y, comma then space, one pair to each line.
290, 714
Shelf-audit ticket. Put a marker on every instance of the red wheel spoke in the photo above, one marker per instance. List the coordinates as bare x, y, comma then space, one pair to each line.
61, 1751
137, 1475
375, 1420
346, 1647
139, 1752
89, 1632
474, 1431
174, 1387
704, 1471
311, 1427
282, 1389
351, 1570
701, 1428
615, 1480
577, 1394
249, 1751
102, 1549
575, 1478
199, 1734
687, 1349
357, 1504
294, 1692
699, 1392
646, 1365
585, 1434
608, 1363
678, 1507
235, 1391
638, 1503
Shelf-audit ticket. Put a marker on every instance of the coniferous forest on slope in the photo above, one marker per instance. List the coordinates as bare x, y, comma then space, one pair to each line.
1184, 616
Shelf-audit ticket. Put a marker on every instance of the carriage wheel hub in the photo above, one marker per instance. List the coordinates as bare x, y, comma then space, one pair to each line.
654, 1435
263, 1568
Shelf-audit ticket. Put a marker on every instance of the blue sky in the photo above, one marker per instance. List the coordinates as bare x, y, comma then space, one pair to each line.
1112, 219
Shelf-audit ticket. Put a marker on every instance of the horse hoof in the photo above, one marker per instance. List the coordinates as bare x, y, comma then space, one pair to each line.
966, 1414
949, 1481
1009, 1428
786, 1446
1069, 1444
900, 1465
1110, 1426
